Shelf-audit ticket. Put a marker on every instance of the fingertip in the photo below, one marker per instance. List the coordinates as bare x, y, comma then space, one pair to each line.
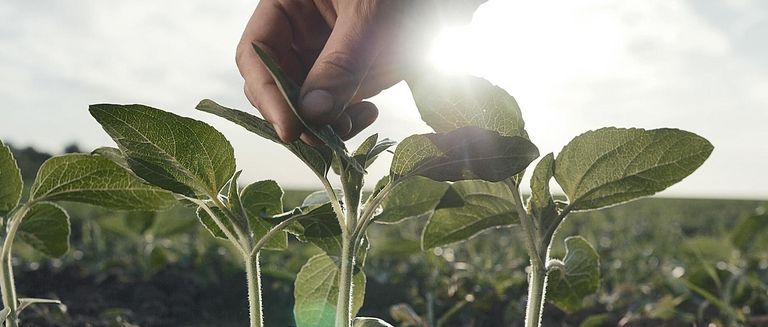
318, 106
310, 139
362, 115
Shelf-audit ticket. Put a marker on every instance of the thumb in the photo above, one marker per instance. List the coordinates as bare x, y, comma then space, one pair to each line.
342, 64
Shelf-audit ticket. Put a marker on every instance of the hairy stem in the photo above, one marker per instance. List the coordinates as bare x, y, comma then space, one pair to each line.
7, 284
253, 276
526, 221
344, 300
538, 275
537, 281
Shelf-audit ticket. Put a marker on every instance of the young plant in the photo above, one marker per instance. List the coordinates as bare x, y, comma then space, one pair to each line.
44, 225
330, 287
597, 169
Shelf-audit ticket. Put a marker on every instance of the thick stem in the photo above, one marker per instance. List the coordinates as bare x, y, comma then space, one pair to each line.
537, 282
344, 301
253, 276
6, 270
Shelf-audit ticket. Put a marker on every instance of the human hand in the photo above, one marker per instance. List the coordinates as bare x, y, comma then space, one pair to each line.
341, 52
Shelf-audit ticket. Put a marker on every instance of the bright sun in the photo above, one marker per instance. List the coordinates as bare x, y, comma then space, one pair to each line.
445, 53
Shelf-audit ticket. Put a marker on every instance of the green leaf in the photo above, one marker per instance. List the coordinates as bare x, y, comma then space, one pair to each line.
45, 227
748, 230
261, 200
486, 205
370, 149
322, 229
93, 179
316, 158
414, 197
465, 153
10, 181
320, 197
179, 154
541, 203
211, 225
316, 291
369, 322
447, 102
291, 93
581, 277
234, 202
612, 165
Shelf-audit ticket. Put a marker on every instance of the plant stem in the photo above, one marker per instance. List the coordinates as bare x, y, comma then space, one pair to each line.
6, 271
526, 221
334, 201
253, 276
538, 275
344, 301
537, 282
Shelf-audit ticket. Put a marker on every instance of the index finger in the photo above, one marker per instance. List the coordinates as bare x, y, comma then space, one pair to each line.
270, 29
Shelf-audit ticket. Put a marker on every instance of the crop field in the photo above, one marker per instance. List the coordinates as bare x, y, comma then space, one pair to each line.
664, 262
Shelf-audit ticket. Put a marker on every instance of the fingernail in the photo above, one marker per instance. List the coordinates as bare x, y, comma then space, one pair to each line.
316, 104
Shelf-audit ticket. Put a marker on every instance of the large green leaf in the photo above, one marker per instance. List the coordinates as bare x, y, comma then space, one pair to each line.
486, 205
614, 165
454, 101
46, 228
317, 289
316, 158
541, 203
262, 200
291, 93
96, 180
179, 154
465, 153
10, 181
369, 322
412, 198
581, 277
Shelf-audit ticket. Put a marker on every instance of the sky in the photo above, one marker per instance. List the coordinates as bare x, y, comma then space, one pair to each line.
698, 65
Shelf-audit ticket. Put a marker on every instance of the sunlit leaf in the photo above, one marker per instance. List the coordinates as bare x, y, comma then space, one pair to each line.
541, 203
317, 158
96, 180
614, 165
45, 227
581, 277
464, 153
412, 198
176, 153
486, 205
316, 291
261, 200
447, 102
10, 181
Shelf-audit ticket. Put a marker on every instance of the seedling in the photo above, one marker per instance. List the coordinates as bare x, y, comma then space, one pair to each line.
464, 178
44, 225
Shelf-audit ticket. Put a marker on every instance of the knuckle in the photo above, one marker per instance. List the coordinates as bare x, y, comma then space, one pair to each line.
344, 65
